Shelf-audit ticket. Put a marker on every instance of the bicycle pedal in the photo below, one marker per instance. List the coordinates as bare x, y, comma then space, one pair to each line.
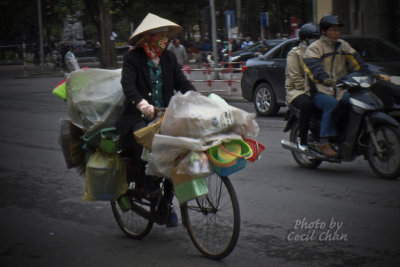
137, 194
154, 193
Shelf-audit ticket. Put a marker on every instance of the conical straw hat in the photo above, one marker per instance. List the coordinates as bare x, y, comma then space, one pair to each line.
152, 22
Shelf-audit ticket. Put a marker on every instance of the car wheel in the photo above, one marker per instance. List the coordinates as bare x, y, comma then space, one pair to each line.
264, 100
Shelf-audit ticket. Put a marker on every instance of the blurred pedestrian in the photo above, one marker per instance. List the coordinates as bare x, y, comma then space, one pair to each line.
247, 42
179, 50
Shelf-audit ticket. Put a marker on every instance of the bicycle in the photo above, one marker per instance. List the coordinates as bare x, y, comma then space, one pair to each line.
212, 220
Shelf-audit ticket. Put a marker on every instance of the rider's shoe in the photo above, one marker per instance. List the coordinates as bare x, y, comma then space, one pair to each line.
300, 146
327, 150
172, 219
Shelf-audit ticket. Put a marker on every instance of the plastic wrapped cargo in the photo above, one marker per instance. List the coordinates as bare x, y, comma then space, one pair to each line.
94, 98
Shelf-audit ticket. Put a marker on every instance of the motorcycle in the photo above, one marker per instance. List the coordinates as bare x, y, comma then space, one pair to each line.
363, 130
389, 93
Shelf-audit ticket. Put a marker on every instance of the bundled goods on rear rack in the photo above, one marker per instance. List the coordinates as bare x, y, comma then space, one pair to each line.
89, 140
94, 98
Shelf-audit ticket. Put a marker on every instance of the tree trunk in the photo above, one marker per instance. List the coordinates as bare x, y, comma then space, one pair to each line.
108, 56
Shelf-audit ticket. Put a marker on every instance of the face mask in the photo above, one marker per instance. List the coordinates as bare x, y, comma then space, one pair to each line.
154, 45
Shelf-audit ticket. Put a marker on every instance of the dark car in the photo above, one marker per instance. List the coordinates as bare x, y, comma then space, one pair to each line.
252, 51
86, 52
95, 52
263, 80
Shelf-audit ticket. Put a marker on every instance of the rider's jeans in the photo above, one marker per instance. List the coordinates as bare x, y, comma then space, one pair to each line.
328, 105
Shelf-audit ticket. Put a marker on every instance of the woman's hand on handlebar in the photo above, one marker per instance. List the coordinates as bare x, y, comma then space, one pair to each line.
146, 109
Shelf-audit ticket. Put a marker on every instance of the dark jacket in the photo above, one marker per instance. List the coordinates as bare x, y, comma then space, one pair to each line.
136, 84
327, 58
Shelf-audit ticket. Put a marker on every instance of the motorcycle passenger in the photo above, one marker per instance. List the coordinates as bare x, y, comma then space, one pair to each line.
296, 93
150, 74
325, 61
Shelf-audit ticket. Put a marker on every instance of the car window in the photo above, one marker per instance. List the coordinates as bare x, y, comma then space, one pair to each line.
374, 49
273, 43
282, 52
276, 54
287, 48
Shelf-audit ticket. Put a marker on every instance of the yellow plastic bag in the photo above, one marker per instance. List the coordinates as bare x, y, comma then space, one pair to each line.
145, 135
105, 177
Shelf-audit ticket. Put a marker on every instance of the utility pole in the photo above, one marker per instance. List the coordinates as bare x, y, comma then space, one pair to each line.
40, 35
314, 11
238, 16
214, 37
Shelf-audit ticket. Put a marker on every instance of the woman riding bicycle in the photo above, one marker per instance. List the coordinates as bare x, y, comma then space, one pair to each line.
150, 74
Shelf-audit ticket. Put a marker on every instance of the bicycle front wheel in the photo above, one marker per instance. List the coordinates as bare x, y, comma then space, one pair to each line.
213, 220
135, 222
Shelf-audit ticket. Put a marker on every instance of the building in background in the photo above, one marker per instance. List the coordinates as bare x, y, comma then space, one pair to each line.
364, 17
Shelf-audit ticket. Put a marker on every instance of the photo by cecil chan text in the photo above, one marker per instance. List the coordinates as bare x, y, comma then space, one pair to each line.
317, 230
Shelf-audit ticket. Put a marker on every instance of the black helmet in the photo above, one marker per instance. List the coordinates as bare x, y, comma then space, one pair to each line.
328, 21
309, 30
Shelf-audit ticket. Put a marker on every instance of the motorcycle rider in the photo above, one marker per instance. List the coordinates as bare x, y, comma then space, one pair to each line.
150, 74
296, 93
325, 61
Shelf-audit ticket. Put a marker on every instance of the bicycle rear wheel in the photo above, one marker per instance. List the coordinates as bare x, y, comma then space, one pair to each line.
135, 222
213, 220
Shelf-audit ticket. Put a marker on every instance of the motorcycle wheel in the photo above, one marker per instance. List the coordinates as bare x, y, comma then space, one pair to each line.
302, 160
386, 164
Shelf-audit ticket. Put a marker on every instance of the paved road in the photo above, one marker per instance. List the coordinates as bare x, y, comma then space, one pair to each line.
289, 215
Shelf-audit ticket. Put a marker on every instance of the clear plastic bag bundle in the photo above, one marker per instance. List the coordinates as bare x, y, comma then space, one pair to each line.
94, 98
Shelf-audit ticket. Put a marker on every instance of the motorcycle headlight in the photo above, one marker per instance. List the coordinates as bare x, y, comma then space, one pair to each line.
395, 79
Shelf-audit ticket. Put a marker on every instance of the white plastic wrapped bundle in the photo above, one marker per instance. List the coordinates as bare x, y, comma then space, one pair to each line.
196, 116
94, 98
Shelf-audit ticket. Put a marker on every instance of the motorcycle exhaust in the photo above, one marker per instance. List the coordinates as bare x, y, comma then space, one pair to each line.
293, 147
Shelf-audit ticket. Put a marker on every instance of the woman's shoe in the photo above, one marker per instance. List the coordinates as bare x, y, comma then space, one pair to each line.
172, 219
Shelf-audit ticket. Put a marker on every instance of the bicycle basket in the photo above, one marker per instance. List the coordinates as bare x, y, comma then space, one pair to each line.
228, 152
256, 148
227, 167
